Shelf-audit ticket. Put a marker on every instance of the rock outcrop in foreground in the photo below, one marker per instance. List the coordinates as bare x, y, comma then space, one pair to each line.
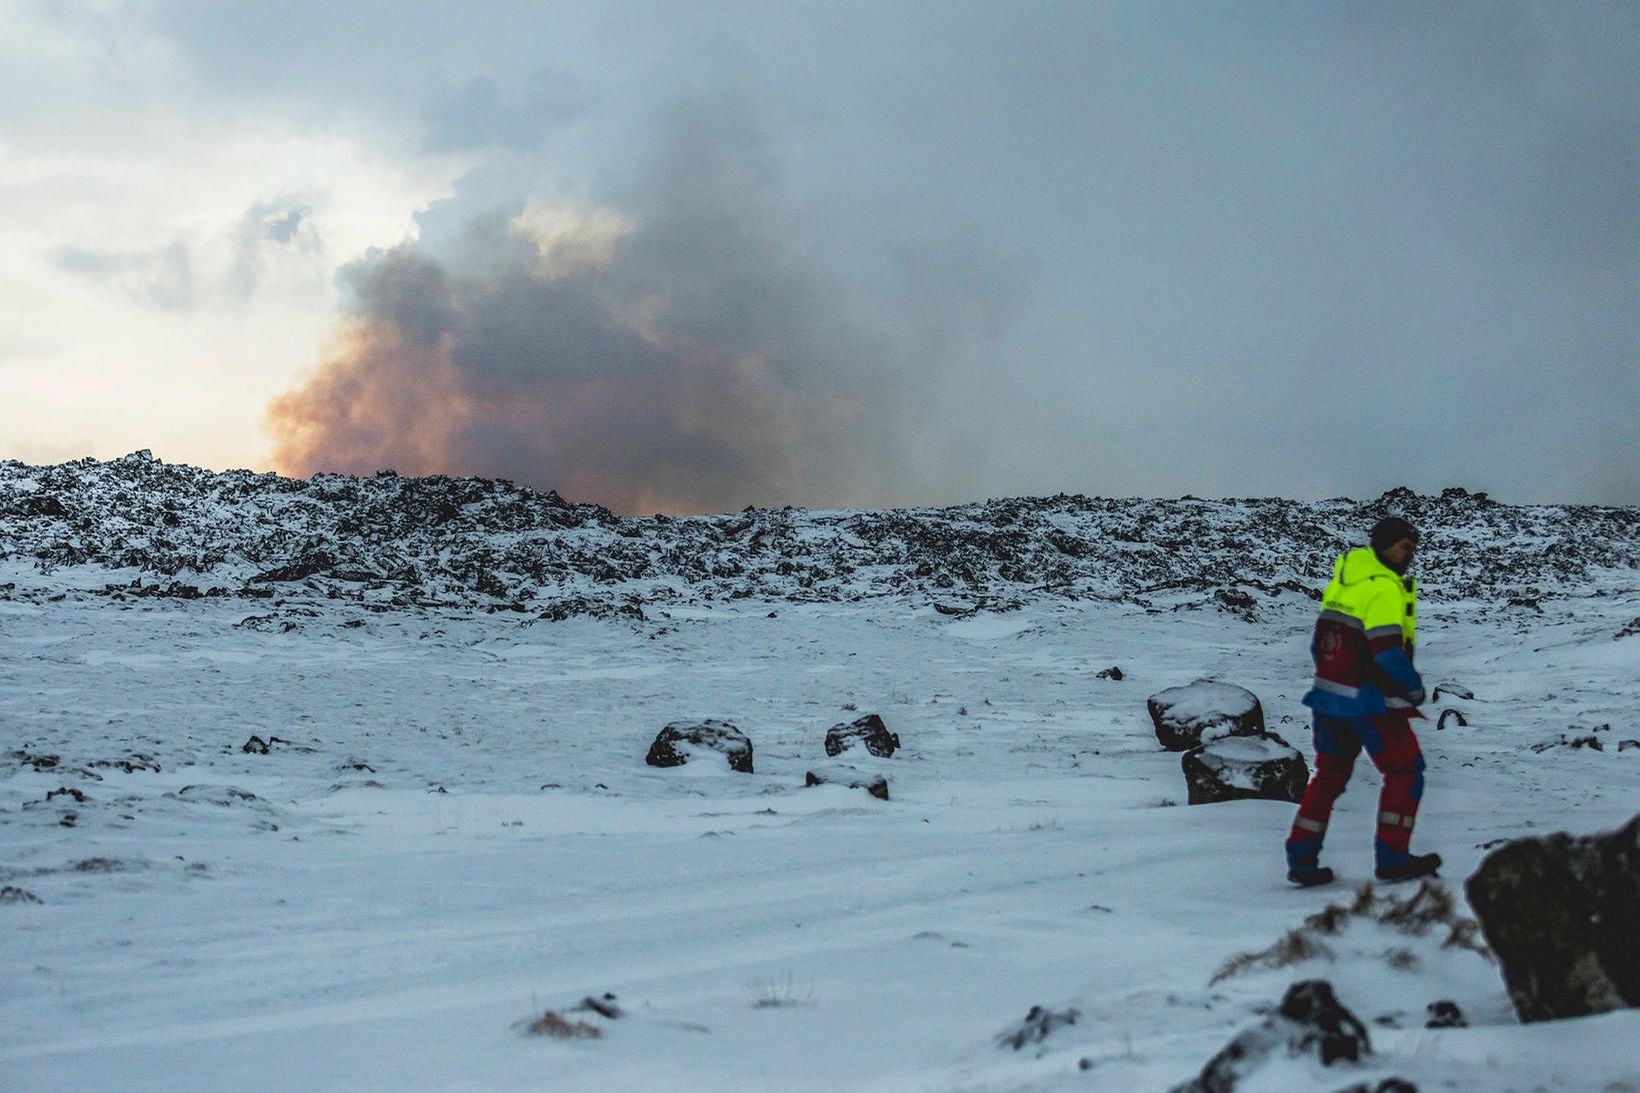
1563, 916
1309, 1023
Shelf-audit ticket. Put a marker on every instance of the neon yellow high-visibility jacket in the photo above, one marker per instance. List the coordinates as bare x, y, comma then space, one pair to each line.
1364, 639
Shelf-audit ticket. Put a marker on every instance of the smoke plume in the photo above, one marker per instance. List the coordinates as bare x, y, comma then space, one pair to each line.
674, 353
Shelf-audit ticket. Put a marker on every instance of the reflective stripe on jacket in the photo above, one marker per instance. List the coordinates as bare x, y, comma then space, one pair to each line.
1364, 640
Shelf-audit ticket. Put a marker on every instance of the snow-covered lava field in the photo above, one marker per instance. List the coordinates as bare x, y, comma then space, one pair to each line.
452, 830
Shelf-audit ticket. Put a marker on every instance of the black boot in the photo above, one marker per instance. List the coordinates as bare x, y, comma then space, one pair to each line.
1419, 865
1309, 878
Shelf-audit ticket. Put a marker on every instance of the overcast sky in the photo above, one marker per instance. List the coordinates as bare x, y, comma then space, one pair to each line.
689, 256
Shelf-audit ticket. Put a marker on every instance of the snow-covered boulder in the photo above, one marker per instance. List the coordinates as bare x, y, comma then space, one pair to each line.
1562, 915
1310, 1022
681, 740
844, 775
1231, 768
868, 732
1190, 716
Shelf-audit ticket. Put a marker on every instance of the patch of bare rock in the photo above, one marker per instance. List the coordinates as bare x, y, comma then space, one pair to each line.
1262, 766
681, 741
1562, 914
867, 737
1311, 1023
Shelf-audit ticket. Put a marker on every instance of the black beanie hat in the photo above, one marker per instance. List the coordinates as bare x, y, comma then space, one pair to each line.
1391, 530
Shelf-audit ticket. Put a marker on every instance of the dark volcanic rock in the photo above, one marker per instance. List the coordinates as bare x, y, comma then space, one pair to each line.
37, 504
38, 762
679, 741
592, 607
1562, 914
133, 762
838, 774
1310, 1021
868, 732
1590, 741
299, 568
1455, 715
258, 746
487, 543
1039, 1022
1189, 716
1231, 768
1445, 1014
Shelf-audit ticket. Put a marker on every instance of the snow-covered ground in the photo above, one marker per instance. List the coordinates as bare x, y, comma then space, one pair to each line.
456, 832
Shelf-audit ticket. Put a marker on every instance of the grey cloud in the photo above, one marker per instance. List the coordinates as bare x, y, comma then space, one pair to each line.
407, 290
168, 278
1117, 248
267, 232
707, 364
479, 114
283, 229
161, 278
98, 264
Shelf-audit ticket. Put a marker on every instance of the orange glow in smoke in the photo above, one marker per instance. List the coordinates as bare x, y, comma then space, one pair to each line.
702, 434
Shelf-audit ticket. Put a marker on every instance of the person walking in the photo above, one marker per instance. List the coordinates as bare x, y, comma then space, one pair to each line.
1365, 696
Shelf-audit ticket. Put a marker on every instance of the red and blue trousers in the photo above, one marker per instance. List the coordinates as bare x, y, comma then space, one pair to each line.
1393, 749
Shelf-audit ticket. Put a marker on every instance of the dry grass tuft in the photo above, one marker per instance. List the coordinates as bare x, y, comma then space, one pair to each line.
1402, 960
1329, 920
1234, 966
1294, 947
1431, 905
552, 1023
1465, 934
780, 993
